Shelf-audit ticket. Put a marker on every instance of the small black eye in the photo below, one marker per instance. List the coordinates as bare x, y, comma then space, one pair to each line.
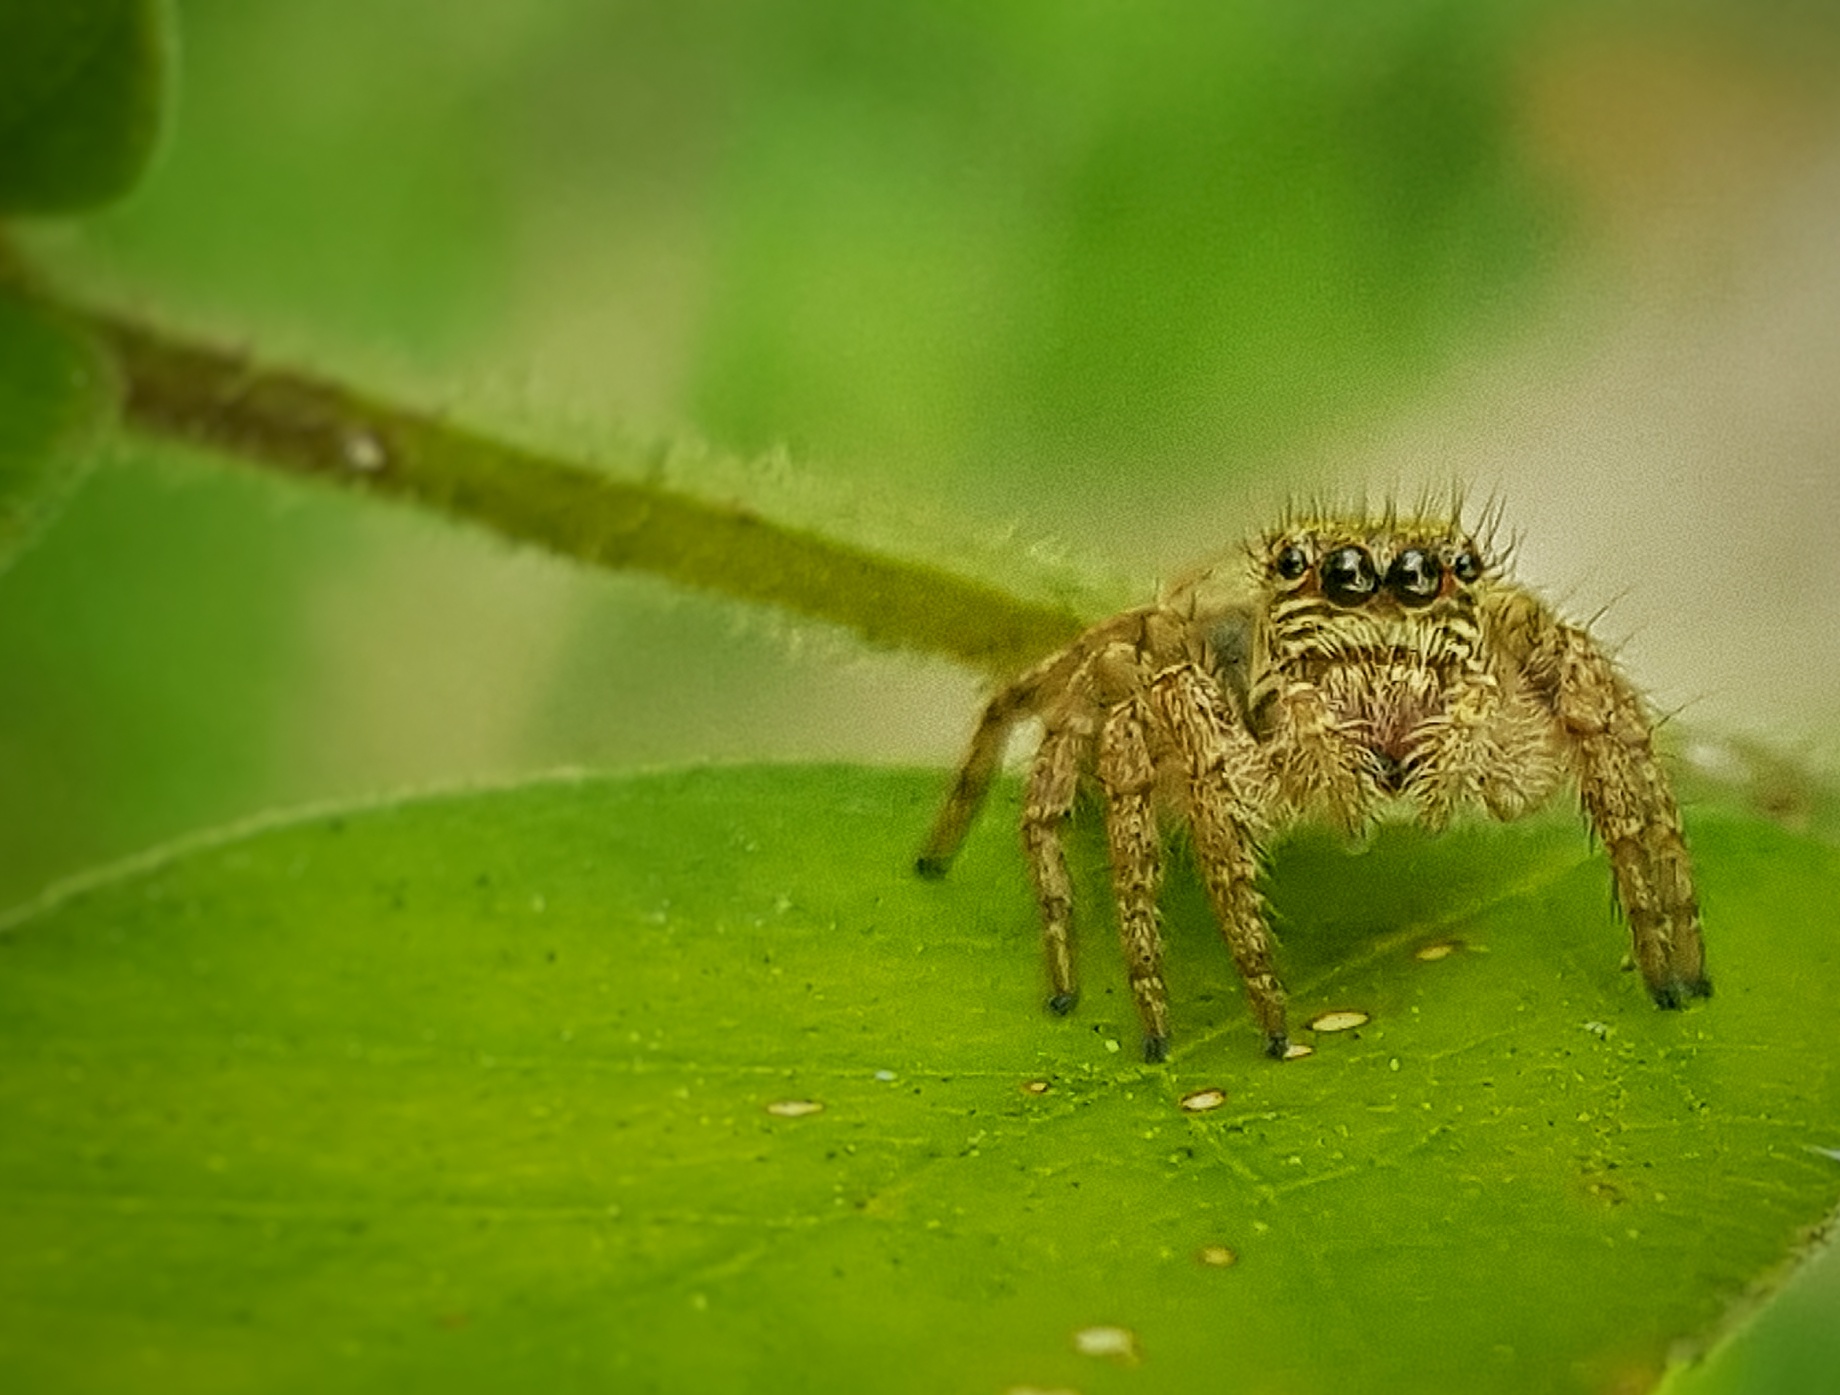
1291, 563
1348, 576
1466, 565
1415, 577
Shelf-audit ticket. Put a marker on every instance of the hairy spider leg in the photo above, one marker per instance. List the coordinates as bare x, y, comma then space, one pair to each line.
1054, 780
979, 767
1224, 767
1627, 797
1127, 774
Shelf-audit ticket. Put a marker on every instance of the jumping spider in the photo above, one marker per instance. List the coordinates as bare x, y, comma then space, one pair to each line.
1349, 665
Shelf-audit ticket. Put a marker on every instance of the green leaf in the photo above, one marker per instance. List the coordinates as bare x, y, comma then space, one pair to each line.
82, 89
55, 395
478, 1092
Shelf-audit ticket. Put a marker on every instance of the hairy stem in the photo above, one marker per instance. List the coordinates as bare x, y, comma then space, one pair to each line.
307, 425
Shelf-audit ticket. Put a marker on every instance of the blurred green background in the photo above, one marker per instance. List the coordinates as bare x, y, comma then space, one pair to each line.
1088, 285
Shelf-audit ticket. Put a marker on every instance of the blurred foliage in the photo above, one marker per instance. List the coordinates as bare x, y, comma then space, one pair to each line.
1069, 237
81, 93
55, 402
82, 89
166, 684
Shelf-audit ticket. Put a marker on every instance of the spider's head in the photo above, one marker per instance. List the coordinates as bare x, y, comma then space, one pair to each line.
1388, 564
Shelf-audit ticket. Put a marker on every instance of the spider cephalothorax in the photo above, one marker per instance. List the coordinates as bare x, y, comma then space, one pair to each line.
1346, 667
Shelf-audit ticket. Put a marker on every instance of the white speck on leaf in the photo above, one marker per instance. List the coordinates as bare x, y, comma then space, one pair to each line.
1117, 1343
794, 1109
1341, 1020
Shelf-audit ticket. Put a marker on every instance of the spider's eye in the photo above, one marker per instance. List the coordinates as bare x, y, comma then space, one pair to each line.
1415, 577
1348, 576
1291, 563
1466, 565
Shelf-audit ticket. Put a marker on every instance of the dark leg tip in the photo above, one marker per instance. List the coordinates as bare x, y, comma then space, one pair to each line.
1062, 1003
1156, 1050
1276, 1045
1678, 992
932, 868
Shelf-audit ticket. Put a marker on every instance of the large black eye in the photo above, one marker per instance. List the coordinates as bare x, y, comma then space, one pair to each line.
1291, 563
1415, 577
1466, 565
1348, 576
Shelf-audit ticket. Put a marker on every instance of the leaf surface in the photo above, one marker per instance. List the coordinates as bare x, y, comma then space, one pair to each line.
513, 1088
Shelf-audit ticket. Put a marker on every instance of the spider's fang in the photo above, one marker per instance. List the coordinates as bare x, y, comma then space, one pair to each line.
1156, 1050
1277, 1046
1062, 1003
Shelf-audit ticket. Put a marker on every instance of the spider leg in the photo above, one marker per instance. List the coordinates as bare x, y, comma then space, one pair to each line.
1224, 768
979, 766
1127, 772
1627, 797
1065, 673
1048, 801
1625, 792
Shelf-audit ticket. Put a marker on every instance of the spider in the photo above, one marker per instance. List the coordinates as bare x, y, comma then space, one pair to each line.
1345, 668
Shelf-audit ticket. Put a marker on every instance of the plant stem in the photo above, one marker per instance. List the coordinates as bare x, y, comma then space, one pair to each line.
307, 425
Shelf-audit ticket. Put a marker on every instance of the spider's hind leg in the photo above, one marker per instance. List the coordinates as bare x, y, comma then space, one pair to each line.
977, 770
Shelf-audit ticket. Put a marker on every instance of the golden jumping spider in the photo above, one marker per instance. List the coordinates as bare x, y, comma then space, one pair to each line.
1346, 666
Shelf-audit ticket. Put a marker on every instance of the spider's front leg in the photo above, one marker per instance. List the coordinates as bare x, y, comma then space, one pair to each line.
1054, 781
1627, 795
1127, 772
1229, 786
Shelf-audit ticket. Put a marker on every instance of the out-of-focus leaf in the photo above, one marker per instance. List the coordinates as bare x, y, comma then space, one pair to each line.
82, 89
54, 397
500, 1089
